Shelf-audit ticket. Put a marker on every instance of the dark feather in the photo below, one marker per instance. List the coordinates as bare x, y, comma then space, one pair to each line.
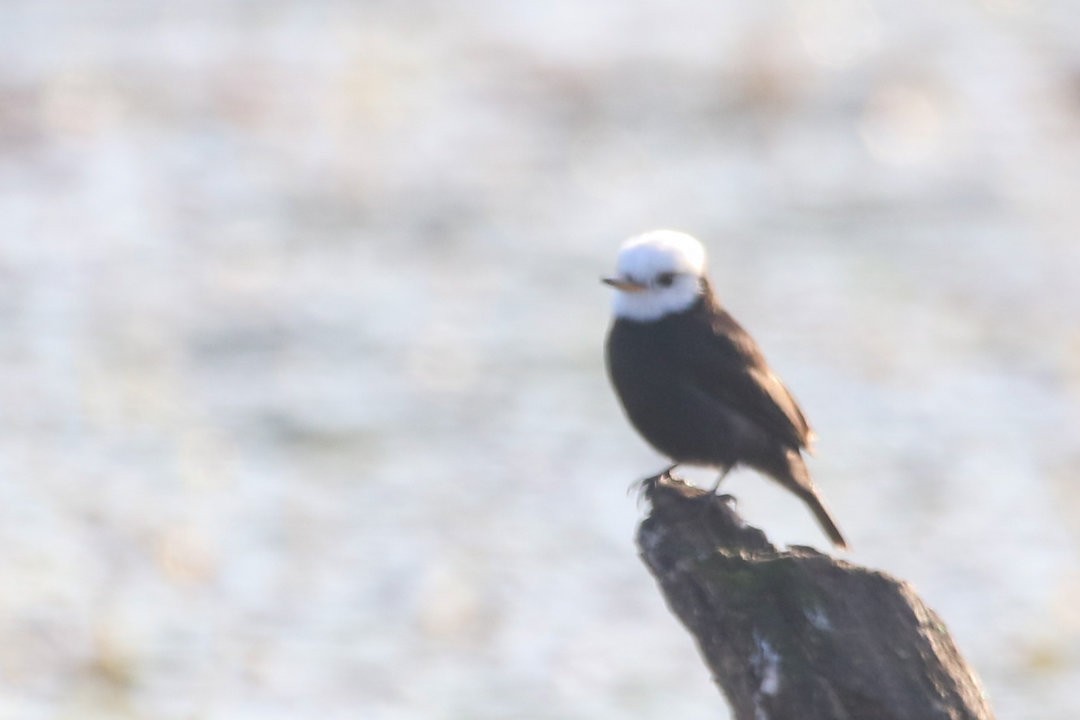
731, 368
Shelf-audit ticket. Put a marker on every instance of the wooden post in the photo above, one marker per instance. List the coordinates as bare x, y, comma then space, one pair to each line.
795, 634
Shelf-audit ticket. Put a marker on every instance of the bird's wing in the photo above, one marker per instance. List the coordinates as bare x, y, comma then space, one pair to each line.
730, 367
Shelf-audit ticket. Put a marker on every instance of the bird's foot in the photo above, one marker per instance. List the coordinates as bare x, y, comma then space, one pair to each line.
644, 485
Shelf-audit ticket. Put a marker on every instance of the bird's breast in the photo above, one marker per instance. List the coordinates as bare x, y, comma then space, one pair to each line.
641, 364
648, 371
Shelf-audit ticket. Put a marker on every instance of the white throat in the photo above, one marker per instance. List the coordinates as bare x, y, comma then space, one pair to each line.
655, 303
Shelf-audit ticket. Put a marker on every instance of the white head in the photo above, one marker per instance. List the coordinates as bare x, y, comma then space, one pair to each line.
660, 272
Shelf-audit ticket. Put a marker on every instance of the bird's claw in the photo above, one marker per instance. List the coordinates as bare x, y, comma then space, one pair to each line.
644, 485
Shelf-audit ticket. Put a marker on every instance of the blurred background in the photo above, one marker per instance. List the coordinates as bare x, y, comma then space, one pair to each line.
304, 412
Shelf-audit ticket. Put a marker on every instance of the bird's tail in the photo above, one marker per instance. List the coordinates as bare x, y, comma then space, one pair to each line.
795, 477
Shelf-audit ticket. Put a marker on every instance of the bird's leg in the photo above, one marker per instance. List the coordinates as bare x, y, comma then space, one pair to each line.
723, 474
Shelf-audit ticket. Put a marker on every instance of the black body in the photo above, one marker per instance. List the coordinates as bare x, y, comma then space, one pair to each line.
698, 389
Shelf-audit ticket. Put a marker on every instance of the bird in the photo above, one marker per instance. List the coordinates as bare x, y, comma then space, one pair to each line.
692, 381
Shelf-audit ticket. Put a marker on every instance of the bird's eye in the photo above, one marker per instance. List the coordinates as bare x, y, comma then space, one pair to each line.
665, 279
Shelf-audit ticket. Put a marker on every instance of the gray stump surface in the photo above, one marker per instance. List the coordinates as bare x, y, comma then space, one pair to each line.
795, 634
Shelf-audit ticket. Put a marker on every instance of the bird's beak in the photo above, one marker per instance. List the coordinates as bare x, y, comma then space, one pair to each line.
624, 285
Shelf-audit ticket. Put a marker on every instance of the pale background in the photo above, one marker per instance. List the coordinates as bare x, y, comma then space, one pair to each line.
304, 413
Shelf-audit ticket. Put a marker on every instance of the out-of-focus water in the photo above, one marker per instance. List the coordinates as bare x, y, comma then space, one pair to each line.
304, 412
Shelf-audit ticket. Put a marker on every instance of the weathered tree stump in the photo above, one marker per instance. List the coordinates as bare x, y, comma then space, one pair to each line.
795, 634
